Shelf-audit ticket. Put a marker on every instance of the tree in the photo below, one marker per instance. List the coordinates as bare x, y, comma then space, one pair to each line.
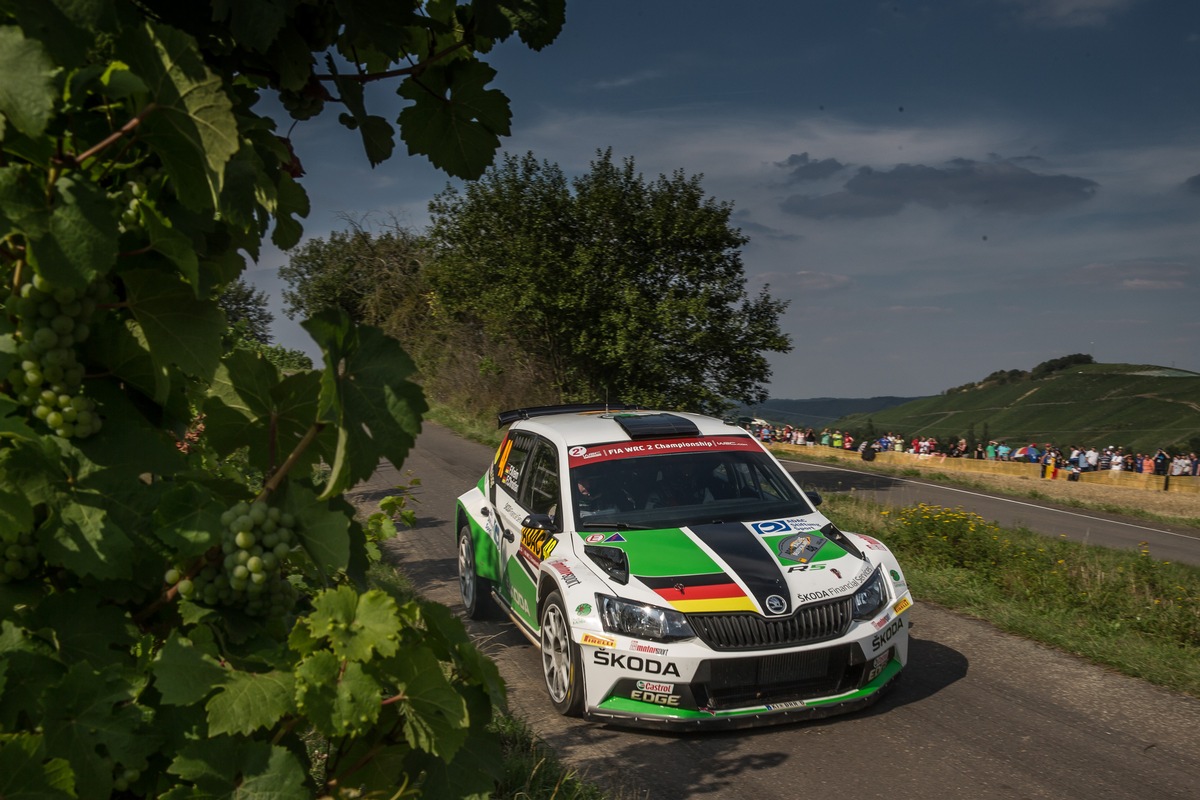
373, 277
626, 288
171, 625
246, 306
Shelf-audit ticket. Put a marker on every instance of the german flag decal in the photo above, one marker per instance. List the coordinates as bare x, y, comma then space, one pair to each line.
700, 593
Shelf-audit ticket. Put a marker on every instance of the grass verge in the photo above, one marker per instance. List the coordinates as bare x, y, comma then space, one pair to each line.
1123, 610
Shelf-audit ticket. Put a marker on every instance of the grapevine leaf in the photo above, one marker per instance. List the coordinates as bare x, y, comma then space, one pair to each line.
379, 139
16, 514
25, 775
255, 25
340, 702
89, 713
248, 770
251, 700
27, 91
188, 520
364, 379
384, 770
183, 674
22, 205
81, 241
192, 127
433, 712
140, 446
84, 630
292, 201
83, 538
453, 120
356, 625
29, 666
239, 408
12, 420
538, 22
174, 245
476, 766
323, 530
122, 347
179, 328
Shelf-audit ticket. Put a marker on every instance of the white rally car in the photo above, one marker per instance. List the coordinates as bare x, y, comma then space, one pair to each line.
673, 573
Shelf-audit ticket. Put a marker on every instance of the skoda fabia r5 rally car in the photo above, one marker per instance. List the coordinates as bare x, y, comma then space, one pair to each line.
673, 573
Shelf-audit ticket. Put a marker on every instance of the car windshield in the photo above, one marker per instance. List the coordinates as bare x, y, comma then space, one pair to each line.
676, 489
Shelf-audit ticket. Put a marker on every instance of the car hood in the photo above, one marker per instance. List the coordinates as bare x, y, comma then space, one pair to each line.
770, 566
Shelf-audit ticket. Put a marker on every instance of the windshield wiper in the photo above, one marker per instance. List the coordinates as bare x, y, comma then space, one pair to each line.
621, 526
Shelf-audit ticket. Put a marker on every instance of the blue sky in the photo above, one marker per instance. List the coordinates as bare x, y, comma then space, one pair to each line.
941, 189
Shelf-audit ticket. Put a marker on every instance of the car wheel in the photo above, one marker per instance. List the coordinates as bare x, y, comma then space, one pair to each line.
562, 665
476, 591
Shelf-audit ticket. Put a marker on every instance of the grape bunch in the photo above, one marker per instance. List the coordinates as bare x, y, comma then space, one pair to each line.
19, 557
48, 377
255, 542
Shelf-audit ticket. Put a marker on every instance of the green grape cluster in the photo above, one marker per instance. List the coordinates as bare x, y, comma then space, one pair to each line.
303, 104
19, 557
256, 540
137, 184
48, 377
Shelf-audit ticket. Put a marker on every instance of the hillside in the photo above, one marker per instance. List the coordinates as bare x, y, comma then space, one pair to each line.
819, 412
1135, 406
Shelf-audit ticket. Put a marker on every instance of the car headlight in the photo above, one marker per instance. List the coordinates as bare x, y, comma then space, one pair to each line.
869, 598
642, 621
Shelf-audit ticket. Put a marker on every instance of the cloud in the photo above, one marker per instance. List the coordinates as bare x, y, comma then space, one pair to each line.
802, 168
629, 80
1139, 275
1071, 13
987, 186
1192, 185
805, 282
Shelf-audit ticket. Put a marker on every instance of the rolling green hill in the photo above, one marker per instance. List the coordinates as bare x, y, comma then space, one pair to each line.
1135, 406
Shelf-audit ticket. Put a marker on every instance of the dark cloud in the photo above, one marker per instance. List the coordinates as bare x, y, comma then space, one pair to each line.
802, 168
1000, 186
1192, 185
749, 226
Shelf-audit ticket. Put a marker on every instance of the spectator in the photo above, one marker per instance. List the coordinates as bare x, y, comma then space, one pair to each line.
1093, 459
1105, 462
990, 451
1161, 461
1003, 451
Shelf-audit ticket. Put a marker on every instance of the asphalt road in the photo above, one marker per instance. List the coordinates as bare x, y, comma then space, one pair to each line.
1165, 542
977, 714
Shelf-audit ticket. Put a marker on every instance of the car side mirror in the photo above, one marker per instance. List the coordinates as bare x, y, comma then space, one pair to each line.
814, 497
540, 522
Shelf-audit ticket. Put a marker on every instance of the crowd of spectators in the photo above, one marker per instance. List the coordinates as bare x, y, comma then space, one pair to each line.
1074, 459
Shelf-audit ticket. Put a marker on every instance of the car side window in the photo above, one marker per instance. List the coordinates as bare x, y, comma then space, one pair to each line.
511, 460
540, 491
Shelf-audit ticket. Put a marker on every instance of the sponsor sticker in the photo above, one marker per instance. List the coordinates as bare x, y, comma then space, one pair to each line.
592, 538
873, 544
879, 623
651, 686
774, 526
616, 537
597, 641
885, 635
640, 647
562, 569
583, 609
900, 607
537, 544
609, 658
577, 451
800, 547
785, 704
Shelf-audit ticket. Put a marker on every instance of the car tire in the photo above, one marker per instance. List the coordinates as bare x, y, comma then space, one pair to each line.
562, 662
474, 589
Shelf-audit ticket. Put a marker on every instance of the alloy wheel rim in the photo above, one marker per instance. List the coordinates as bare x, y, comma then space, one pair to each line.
466, 572
556, 653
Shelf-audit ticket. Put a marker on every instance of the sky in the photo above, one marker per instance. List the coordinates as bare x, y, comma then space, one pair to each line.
940, 189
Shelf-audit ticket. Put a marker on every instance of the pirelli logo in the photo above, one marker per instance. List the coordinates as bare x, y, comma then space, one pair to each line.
902, 605
597, 641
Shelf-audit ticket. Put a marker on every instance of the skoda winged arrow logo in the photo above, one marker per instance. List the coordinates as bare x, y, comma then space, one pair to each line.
776, 604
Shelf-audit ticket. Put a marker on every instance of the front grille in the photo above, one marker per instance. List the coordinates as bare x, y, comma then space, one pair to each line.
810, 624
741, 682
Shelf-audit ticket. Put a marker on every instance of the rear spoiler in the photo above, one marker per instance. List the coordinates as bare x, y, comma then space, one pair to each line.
509, 417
